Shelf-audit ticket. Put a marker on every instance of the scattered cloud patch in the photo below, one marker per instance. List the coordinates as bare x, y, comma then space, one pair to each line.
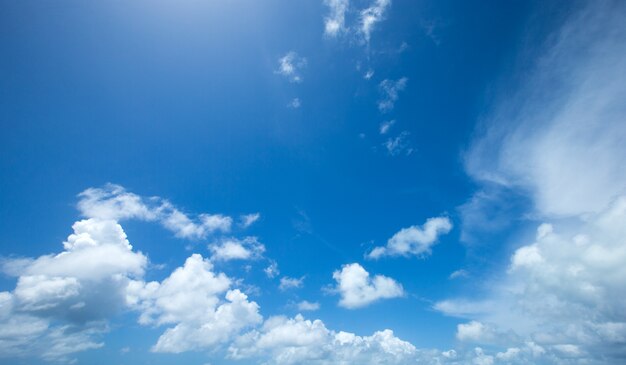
385, 126
334, 22
306, 306
287, 283
113, 202
247, 220
389, 91
272, 270
232, 248
291, 65
398, 144
414, 240
295, 103
371, 16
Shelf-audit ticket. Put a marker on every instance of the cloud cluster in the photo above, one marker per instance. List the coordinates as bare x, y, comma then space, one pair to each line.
368, 18
414, 240
357, 289
204, 310
297, 341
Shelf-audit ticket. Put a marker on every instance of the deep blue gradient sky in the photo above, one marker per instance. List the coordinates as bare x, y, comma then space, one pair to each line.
185, 101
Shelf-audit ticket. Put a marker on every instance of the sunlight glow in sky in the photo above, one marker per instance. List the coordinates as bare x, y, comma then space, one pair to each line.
313, 182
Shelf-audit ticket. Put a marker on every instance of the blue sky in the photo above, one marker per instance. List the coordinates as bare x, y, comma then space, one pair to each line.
314, 182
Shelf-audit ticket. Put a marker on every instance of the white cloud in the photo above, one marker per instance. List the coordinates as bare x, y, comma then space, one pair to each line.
560, 136
247, 220
414, 240
371, 16
290, 283
61, 302
199, 303
561, 290
297, 341
474, 331
357, 289
389, 90
369, 74
385, 126
272, 270
461, 273
308, 306
113, 202
290, 66
232, 248
334, 23
558, 140
398, 144
295, 103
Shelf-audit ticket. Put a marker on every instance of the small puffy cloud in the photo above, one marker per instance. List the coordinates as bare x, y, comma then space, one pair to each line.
334, 22
232, 248
295, 103
389, 90
272, 270
300, 341
290, 283
369, 74
357, 289
414, 240
290, 66
385, 126
247, 220
308, 306
199, 303
398, 144
371, 16
474, 331
461, 273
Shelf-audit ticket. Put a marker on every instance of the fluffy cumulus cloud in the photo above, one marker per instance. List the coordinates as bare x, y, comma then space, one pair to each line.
60, 301
300, 341
389, 91
291, 65
414, 240
115, 203
560, 142
248, 248
334, 22
357, 289
199, 304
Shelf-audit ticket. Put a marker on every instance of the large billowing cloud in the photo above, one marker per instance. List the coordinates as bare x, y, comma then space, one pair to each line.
560, 142
60, 301
204, 310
